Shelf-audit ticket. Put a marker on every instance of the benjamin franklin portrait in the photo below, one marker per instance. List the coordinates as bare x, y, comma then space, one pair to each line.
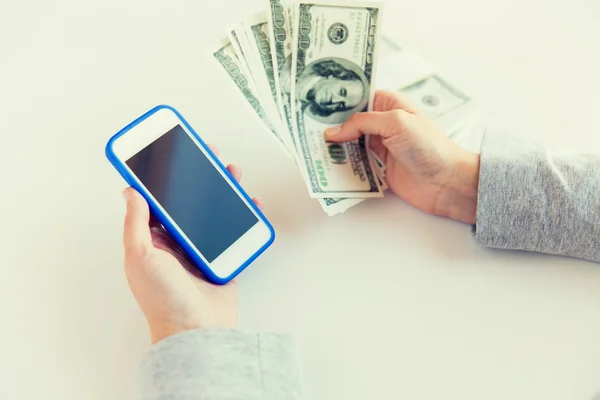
331, 89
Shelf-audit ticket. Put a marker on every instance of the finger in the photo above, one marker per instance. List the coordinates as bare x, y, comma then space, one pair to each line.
136, 231
258, 202
380, 123
214, 149
387, 101
235, 171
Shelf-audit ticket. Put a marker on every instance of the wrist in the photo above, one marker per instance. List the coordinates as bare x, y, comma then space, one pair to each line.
458, 200
162, 331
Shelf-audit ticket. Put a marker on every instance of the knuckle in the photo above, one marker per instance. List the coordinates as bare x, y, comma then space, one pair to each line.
357, 119
395, 125
398, 117
383, 100
361, 121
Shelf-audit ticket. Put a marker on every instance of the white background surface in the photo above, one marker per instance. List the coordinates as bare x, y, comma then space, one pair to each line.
386, 302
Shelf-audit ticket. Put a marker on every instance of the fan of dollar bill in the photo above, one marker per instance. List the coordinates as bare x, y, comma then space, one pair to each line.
306, 66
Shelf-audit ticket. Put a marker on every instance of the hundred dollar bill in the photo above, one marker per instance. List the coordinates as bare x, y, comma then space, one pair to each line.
337, 206
246, 54
434, 96
405, 71
256, 30
249, 66
334, 56
227, 59
450, 108
280, 15
379, 163
231, 64
235, 42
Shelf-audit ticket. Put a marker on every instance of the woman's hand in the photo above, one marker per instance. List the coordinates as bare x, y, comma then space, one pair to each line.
168, 288
424, 167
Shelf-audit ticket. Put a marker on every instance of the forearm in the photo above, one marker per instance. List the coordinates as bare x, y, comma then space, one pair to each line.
221, 365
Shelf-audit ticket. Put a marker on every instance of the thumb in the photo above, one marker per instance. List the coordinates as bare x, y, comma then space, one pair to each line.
384, 124
136, 232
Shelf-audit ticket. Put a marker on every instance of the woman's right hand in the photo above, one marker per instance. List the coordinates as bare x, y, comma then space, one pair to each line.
423, 166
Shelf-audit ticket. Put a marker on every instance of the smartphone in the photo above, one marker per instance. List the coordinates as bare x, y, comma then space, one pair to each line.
191, 193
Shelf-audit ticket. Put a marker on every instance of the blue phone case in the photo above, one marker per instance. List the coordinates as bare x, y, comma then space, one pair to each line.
172, 229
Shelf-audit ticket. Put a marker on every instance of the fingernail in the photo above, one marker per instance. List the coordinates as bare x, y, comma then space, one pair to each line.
333, 131
126, 195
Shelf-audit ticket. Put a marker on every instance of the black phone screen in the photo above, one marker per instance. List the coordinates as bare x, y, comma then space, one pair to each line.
193, 192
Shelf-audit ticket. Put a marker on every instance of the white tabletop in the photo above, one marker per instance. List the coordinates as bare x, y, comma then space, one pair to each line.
385, 301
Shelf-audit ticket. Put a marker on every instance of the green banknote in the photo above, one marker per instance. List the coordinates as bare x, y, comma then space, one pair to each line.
227, 58
280, 15
258, 48
334, 55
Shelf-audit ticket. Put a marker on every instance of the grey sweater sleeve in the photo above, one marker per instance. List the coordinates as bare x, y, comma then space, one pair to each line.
221, 365
532, 198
